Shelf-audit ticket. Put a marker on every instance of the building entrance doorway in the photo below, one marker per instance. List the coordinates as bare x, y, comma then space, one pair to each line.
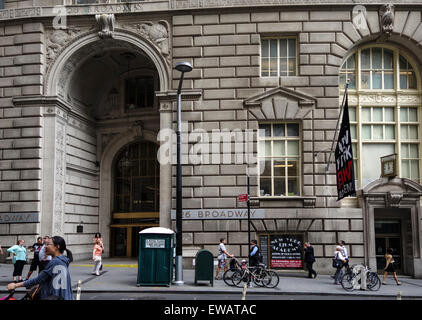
136, 197
388, 235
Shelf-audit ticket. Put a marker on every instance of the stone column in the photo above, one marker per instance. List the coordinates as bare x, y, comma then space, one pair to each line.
54, 171
165, 168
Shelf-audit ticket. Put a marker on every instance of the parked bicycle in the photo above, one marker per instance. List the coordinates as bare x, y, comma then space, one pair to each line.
348, 281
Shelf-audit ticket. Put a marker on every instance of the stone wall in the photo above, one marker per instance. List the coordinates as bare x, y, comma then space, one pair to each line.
21, 69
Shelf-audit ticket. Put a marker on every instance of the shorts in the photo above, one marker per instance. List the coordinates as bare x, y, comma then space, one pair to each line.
34, 264
221, 263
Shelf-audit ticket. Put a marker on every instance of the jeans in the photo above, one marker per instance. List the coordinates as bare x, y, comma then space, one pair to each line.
338, 275
97, 265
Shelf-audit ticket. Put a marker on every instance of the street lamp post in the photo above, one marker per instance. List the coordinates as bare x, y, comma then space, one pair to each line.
182, 67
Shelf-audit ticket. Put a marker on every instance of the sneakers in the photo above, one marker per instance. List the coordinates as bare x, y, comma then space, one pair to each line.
399, 283
97, 274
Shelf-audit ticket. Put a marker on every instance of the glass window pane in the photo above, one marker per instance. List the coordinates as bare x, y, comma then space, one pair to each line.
376, 58
389, 114
376, 80
388, 59
265, 130
273, 67
413, 115
264, 48
292, 148
278, 130
292, 168
283, 65
273, 48
377, 132
353, 132
365, 80
403, 80
365, 59
292, 47
412, 80
413, 151
266, 167
405, 170
366, 132
342, 80
352, 78
413, 132
283, 48
403, 132
405, 150
403, 62
265, 187
403, 114
268, 148
292, 66
265, 65
279, 187
354, 150
388, 80
389, 132
414, 169
279, 167
352, 114
351, 62
279, 148
366, 114
293, 187
292, 130
377, 114
261, 150
371, 153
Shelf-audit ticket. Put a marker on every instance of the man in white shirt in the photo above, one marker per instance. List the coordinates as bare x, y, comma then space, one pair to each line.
44, 259
345, 254
221, 257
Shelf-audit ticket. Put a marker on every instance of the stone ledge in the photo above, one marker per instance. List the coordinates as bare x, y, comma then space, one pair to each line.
298, 202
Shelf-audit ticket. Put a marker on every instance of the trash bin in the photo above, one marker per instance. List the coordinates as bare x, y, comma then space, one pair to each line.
155, 261
204, 266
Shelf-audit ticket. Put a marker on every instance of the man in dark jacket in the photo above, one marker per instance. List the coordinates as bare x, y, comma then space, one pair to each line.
309, 259
254, 254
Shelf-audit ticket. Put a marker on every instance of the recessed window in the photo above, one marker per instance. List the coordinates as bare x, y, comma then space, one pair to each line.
278, 57
139, 93
279, 159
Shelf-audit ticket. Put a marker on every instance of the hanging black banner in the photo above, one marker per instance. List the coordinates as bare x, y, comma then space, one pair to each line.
344, 158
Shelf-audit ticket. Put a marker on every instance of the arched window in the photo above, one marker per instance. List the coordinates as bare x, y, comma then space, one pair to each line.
384, 111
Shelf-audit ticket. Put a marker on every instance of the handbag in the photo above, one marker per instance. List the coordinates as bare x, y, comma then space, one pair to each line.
337, 263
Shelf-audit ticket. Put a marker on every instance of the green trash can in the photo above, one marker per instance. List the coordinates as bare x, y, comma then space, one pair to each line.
204, 266
155, 261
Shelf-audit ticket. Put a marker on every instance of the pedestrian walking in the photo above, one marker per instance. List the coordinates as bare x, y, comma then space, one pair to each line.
43, 256
221, 257
97, 236
55, 282
309, 260
96, 256
345, 254
341, 260
255, 256
35, 263
19, 259
389, 267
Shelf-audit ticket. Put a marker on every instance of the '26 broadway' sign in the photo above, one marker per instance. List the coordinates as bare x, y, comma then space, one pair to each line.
219, 214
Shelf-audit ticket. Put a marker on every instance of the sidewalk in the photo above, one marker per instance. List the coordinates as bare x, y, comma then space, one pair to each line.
121, 275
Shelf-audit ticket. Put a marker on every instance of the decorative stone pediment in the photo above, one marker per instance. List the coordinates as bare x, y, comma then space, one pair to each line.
280, 104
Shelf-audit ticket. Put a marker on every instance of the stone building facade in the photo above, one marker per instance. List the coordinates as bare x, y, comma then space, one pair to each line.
77, 117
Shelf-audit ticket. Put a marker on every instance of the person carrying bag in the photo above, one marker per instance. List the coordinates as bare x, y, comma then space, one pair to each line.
338, 262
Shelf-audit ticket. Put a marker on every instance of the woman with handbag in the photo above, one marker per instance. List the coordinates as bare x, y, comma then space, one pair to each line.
389, 266
338, 262
96, 256
19, 259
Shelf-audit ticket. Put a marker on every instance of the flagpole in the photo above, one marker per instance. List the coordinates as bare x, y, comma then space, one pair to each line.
338, 120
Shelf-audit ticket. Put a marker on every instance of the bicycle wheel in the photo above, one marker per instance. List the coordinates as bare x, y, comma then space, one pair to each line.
273, 280
239, 277
347, 282
373, 282
260, 276
228, 277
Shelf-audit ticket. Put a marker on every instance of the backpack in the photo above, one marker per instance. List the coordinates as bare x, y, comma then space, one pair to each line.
259, 256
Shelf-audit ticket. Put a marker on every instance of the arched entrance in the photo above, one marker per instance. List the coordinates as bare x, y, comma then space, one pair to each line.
136, 196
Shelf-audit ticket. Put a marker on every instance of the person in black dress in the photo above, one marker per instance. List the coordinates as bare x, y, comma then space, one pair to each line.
309, 260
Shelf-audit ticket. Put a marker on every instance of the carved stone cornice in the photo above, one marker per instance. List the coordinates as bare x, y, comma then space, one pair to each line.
393, 199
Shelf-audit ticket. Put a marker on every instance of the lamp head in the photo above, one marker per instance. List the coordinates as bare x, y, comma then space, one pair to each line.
183, 66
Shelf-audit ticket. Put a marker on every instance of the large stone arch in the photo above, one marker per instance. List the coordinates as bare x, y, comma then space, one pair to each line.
81, 48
